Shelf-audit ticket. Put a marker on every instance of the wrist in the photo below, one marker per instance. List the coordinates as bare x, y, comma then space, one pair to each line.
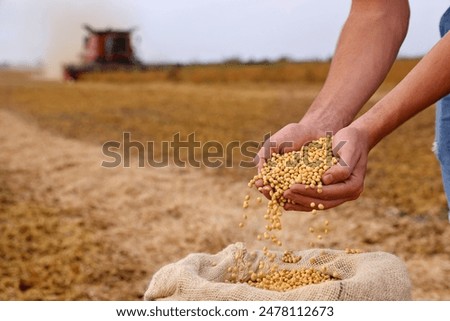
323, 121
366, 131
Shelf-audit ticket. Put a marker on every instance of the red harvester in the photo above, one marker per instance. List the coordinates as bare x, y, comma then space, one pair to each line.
105, 50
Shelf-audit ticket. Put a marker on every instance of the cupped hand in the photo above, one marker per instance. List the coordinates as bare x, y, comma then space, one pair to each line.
291, 137
343, 182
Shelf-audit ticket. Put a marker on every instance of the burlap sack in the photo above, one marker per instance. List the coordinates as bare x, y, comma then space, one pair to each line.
201, 277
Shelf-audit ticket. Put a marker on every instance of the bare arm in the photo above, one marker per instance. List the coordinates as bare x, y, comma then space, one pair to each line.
425, 84
367, 48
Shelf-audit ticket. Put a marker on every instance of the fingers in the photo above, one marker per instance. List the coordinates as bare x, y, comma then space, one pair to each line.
332, 195
274, 144
297, 207
343, 182
329, 192
269, 147
290, 137
302, 208
282, 141
326, 200
348, 154
265, 189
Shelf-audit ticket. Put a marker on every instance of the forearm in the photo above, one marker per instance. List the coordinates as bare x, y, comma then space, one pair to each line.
424, 85
367, 47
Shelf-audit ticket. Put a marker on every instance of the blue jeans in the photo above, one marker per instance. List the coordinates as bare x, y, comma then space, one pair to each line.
442, 145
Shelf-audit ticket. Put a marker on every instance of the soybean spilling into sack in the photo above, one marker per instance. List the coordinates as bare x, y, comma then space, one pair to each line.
280, 172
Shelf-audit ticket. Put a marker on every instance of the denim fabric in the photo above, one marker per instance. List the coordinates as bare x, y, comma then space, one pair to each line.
442, 144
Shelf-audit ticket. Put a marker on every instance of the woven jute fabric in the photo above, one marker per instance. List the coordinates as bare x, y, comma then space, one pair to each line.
375, 276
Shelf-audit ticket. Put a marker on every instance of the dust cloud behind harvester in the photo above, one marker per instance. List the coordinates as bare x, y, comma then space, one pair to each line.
64, 43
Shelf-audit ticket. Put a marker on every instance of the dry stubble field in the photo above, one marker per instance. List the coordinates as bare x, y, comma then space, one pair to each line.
72, 230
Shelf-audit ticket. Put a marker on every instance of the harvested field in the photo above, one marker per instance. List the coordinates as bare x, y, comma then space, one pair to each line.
73, 230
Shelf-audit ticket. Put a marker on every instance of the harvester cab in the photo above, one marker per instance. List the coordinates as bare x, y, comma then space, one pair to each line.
104, 50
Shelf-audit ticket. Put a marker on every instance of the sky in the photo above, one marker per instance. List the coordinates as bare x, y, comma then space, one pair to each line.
184, 31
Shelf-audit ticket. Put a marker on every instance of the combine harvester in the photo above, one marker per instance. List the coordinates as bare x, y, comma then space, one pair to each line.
105, 50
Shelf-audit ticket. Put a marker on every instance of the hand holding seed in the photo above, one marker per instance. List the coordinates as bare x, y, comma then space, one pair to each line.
306, 166
343, 182
290, 138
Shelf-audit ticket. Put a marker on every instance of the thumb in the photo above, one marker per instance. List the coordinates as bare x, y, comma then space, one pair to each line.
348, 156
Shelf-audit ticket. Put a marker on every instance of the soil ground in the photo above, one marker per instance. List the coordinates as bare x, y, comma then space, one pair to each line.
73, 230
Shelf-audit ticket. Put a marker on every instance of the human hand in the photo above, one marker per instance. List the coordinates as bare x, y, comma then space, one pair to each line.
291, 137
343, 182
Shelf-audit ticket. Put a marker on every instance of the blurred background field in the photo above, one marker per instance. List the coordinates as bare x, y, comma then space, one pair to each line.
224, 103
71, 230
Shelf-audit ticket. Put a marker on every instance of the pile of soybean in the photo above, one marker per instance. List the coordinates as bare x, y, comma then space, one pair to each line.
280, 172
